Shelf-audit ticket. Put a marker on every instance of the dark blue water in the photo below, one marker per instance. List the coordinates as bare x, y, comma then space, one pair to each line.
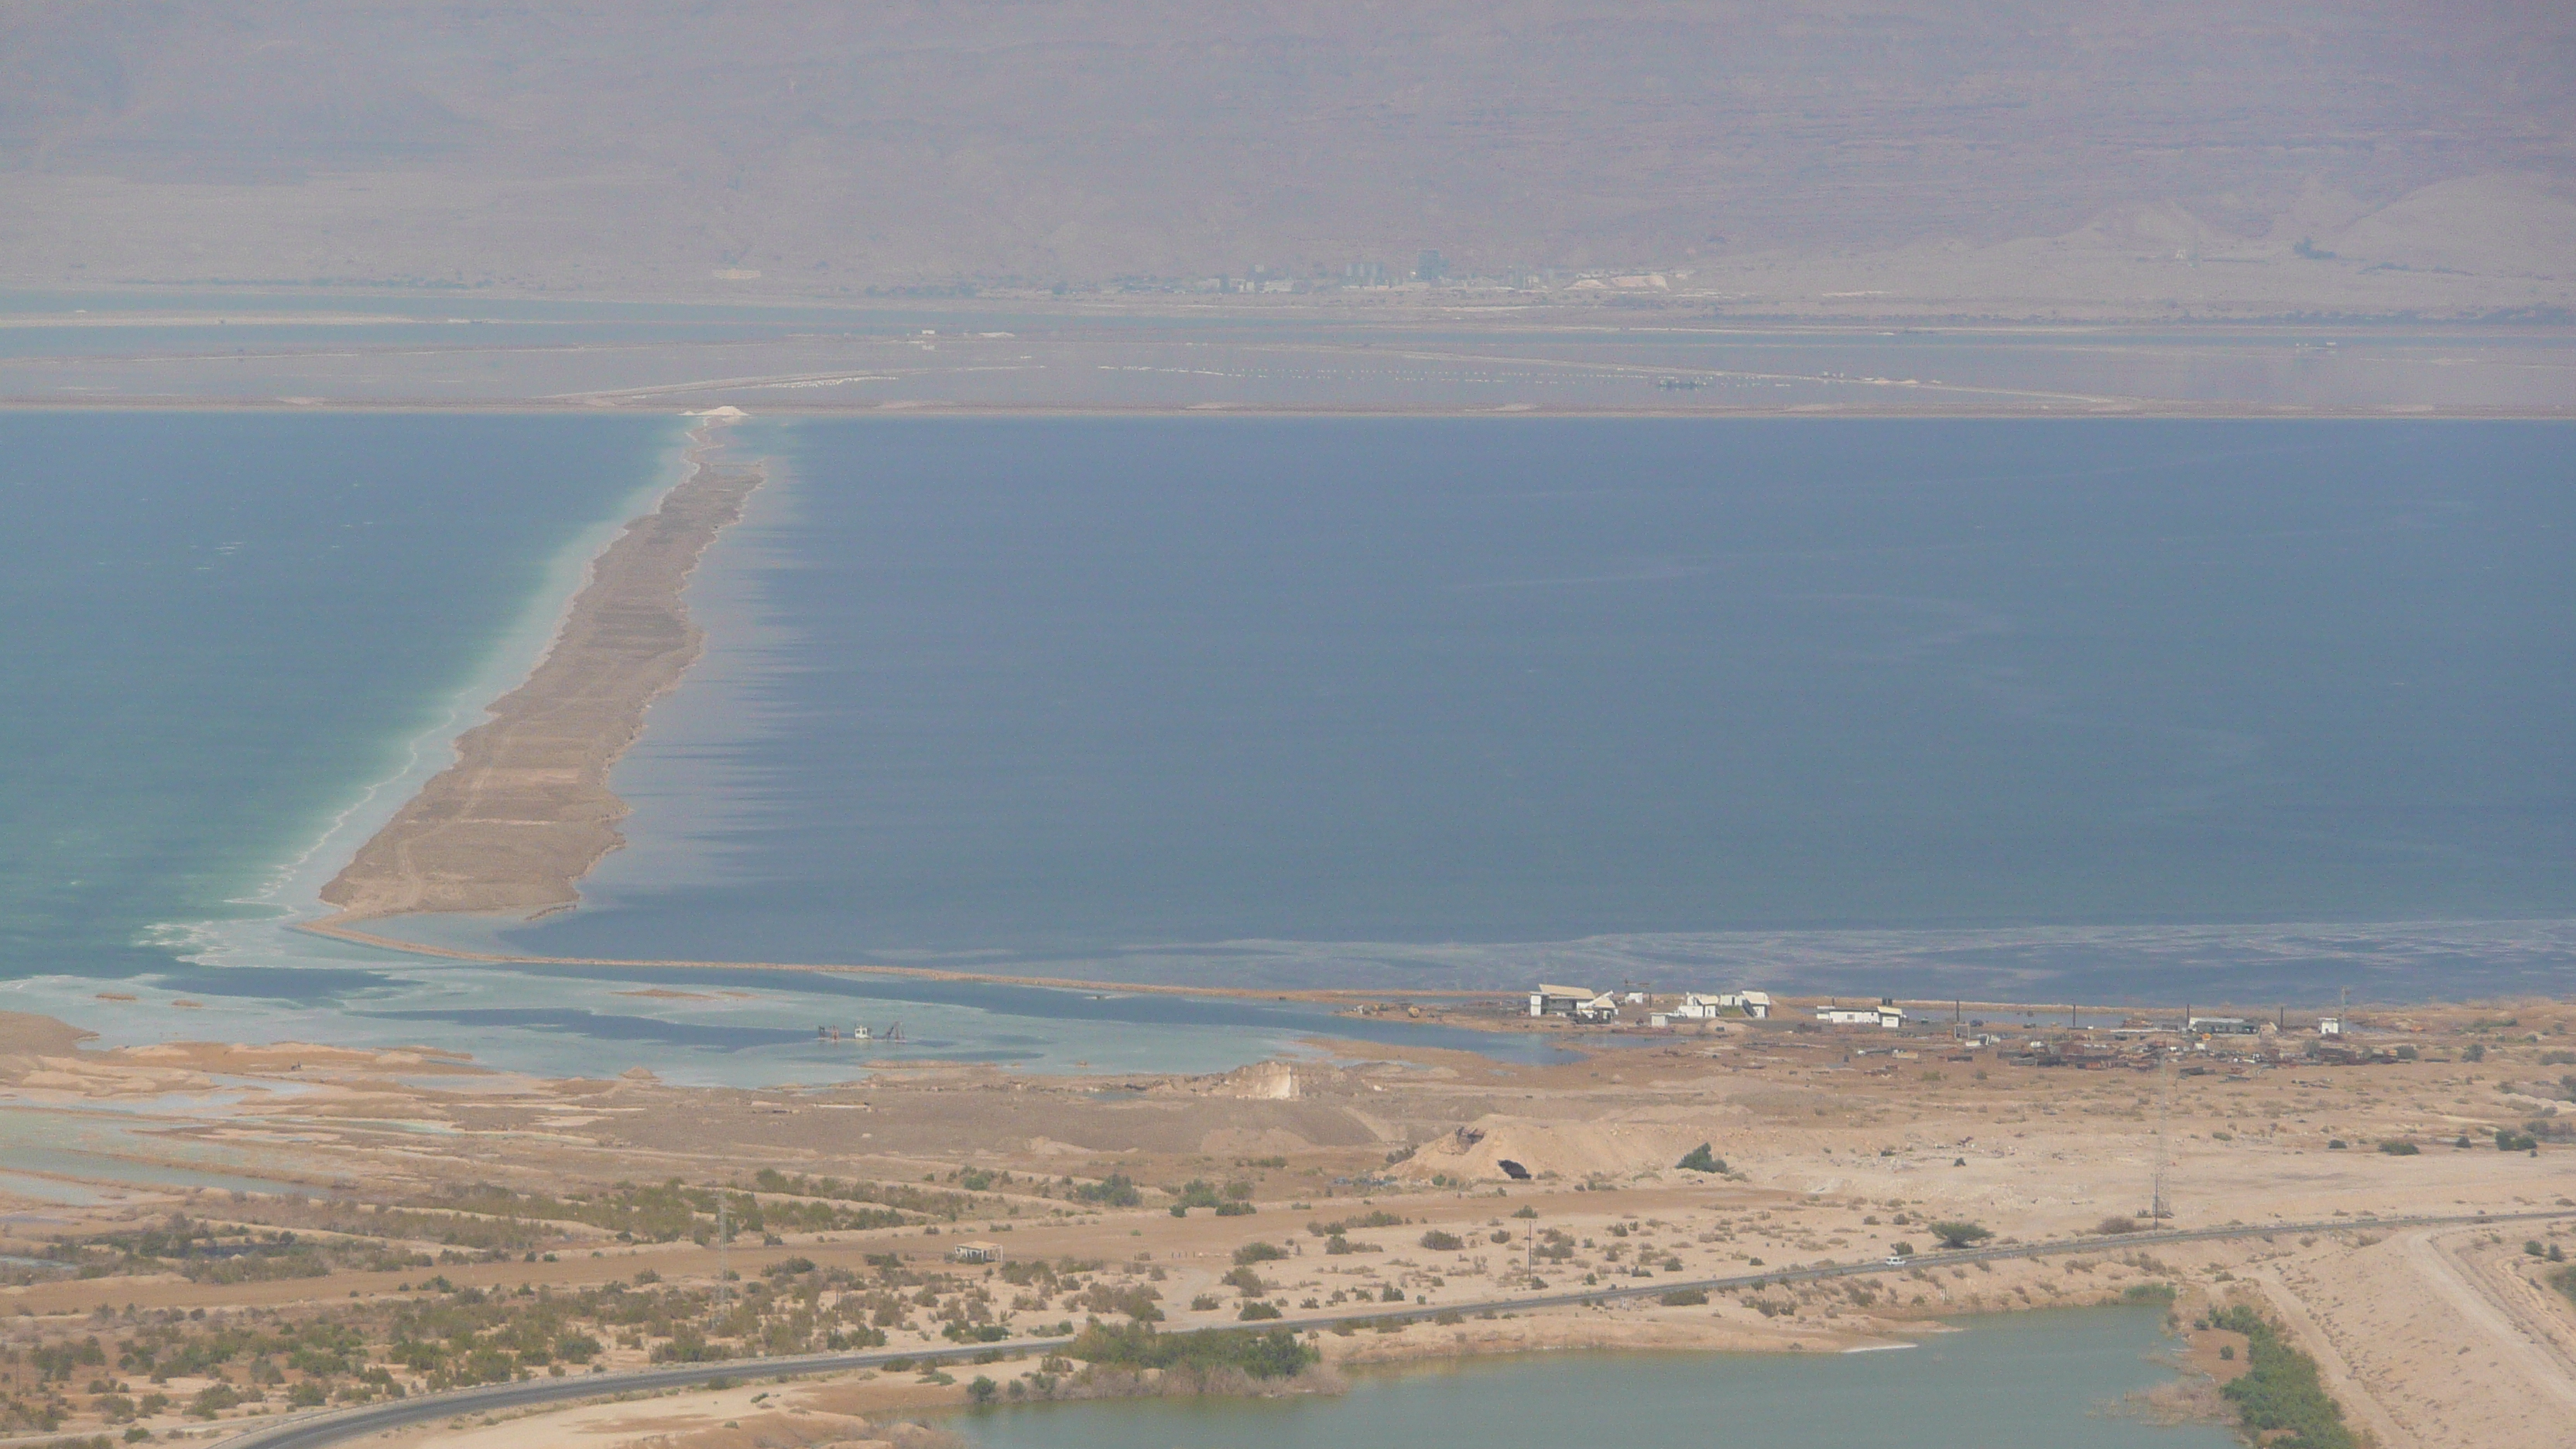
1346, 691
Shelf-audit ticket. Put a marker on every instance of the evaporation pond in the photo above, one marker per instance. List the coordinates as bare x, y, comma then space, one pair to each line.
2040, 1380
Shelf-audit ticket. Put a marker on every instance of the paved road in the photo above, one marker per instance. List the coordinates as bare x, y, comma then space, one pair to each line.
331, 1427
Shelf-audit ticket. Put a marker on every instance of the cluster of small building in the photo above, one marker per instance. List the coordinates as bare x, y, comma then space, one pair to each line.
2085, 1046
1582, 1003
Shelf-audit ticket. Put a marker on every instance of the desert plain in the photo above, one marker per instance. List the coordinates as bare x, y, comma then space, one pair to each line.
402, 1222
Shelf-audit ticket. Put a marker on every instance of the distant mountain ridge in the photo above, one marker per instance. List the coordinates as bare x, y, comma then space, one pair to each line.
656, 147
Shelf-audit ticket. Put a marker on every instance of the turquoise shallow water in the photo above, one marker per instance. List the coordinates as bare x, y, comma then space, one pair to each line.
221, 629
2027, 1381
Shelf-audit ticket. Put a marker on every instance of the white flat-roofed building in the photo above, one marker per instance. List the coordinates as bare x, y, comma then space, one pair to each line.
1887, 1015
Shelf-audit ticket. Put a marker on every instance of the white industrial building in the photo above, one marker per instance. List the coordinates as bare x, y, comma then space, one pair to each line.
1579, 1002
1887, 1015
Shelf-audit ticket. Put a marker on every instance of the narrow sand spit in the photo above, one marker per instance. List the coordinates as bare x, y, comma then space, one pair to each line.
526, 810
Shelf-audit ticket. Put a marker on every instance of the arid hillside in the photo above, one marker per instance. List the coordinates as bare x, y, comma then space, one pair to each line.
2102, 157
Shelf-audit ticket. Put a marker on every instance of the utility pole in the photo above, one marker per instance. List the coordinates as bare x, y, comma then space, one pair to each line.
724, 1233
2161, 1209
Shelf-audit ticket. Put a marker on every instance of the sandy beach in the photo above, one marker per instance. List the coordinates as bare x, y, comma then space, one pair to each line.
526, 810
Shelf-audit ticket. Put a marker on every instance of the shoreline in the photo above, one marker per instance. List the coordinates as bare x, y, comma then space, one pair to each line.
338, 928
525, 810
697, 403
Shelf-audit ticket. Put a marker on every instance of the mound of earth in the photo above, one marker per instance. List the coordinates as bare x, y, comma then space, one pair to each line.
1542, 1149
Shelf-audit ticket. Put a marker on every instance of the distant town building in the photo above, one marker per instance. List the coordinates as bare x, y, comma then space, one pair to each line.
1698, 1007
1429, 267
1579, 1002
1558, 1000
2224, 1026
976, 1253
2330, 1026
1887, 1015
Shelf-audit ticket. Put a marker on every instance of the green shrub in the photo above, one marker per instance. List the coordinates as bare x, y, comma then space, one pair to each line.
1960, 1234
1683, 1298
2279, 1392
1701, 1159
1380, 1218
1115, 1190
1273, 1354
2400, 1147
1251, 1253
1440, 1242
1254, 1308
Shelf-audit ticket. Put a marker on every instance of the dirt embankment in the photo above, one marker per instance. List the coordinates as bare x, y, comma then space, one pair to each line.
526, 810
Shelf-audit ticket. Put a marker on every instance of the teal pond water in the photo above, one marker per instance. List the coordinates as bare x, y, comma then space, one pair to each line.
2038, 1380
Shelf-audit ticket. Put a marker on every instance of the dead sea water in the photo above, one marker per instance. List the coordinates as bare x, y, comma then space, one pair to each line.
2141, 710
2131, 710
237, 641
224, 631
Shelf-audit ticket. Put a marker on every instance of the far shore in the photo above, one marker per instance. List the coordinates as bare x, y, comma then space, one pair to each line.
690, 404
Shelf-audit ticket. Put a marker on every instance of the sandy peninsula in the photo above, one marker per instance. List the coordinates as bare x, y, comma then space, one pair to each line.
526, 811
